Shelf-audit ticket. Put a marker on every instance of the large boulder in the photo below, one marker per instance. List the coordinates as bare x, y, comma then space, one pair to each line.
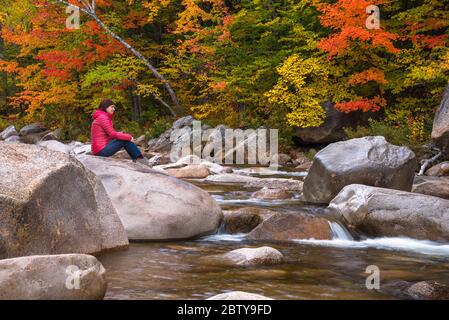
440, 130
153, 205
52, 277
167, 140
368, 160
50, 203
380, 212
432, 186
330, 131
292, 226
248, 257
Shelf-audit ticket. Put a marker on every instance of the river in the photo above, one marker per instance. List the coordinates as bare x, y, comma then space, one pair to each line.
313, 269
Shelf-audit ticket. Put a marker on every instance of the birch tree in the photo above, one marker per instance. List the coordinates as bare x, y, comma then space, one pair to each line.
89, 9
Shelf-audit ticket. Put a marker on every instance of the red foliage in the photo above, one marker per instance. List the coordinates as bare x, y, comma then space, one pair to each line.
364, 104
430, 42
371, 74
348, 19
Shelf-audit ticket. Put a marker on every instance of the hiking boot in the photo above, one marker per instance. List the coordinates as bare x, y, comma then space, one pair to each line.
144, 161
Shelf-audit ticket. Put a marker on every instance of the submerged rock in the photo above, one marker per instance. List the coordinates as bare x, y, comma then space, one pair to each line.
368, 160
380, 212
244, 220
249, 257
52, 277
51, 204
153, 205
292, 226
429, 290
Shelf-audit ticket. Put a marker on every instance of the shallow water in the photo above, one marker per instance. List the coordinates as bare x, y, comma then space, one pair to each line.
312, 269
176, 271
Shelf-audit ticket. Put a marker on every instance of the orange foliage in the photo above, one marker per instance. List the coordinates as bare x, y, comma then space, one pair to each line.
364, 104
348, 19
371, 74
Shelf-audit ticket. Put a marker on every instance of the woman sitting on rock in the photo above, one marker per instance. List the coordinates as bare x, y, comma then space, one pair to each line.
105, 140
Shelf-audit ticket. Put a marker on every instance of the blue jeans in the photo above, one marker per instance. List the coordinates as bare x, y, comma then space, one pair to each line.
115, 146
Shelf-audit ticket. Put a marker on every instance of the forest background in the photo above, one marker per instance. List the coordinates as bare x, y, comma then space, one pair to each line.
241, 63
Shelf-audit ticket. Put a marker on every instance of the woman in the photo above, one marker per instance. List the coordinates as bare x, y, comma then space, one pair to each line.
105, 140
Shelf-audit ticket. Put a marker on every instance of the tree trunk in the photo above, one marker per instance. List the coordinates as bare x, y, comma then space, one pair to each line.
136, 104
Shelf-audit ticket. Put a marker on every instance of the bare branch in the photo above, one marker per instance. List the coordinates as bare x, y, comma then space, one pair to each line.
427, 163
86, 4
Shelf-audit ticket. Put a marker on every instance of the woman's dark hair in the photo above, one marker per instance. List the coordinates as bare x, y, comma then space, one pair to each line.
105, 104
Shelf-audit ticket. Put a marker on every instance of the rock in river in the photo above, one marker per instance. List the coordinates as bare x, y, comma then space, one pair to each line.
432, 186
429, 290
368, 160
50, 203
153, 205
379, 212
245, 219
52, 277
239, 295
292, 226
249, 257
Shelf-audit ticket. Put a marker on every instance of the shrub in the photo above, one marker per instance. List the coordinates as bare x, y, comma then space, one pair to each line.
395, 134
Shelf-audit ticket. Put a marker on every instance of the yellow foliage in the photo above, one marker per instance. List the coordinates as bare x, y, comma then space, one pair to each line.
302, 87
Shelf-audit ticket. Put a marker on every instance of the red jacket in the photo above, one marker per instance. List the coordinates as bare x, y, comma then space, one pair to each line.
102, 131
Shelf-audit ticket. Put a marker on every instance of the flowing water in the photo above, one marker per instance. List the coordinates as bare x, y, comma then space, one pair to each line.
313, 269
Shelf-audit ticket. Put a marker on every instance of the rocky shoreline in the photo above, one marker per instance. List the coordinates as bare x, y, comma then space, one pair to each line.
60, 205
